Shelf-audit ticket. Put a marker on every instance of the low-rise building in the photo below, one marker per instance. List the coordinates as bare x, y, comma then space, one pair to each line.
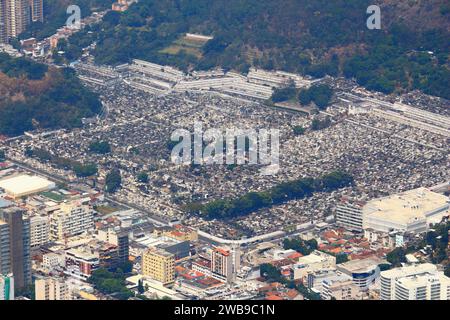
364, 272
316, 261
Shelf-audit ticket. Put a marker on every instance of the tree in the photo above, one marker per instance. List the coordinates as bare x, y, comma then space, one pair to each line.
2, 155
285, 93
142, 177
447, 270
396, 256
298, 130
341, 258
308, 294
270, 272
384, 266
304, 97
318, 124
100, 147
140, 287
113, 181
85, 170
321, 95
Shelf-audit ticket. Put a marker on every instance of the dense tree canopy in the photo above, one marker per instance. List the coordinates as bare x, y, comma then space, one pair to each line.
281, 193
309, 37
37, 97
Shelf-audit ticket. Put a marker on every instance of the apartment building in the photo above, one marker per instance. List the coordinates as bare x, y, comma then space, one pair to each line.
37, 10
51, 289
416, 282
222, 264
349, 215
16, 15
159, 265
39, 231
70, 220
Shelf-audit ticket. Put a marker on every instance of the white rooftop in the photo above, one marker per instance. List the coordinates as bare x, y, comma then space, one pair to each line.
407, 206
25, 185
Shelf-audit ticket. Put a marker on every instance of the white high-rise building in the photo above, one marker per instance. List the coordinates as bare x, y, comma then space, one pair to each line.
39, 231
71, 219
222, 264
417, 282
349, 215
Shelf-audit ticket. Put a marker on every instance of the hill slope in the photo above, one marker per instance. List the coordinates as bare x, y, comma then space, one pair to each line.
33, 96
311, 37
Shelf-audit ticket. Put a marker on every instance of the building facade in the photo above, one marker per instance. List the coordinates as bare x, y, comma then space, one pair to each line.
417, 282
350, 216
16, 15
72, 219
37, 10
51, 289
222, 264
15, 246
39, 231
159, 265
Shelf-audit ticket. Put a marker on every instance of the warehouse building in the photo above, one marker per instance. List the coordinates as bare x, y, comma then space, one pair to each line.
411, 211
25, 185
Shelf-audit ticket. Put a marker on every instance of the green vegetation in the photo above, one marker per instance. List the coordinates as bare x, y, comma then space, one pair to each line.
105, 209
319, 94
396, 257
142, 177
318, 124
384, 266
308, 293
21, 67
253, 201
111, 283
307, 37
34, 97
270, 273
53, 196
284, 94
2, 155
100, 147
303, 247
341, 258
81, 170
298, 130
113, 181
85, 170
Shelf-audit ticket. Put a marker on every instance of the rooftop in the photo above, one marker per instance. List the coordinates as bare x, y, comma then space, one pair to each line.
406, 206
25, 184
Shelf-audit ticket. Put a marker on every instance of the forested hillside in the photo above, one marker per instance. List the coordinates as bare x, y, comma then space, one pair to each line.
310, 37
33, 96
